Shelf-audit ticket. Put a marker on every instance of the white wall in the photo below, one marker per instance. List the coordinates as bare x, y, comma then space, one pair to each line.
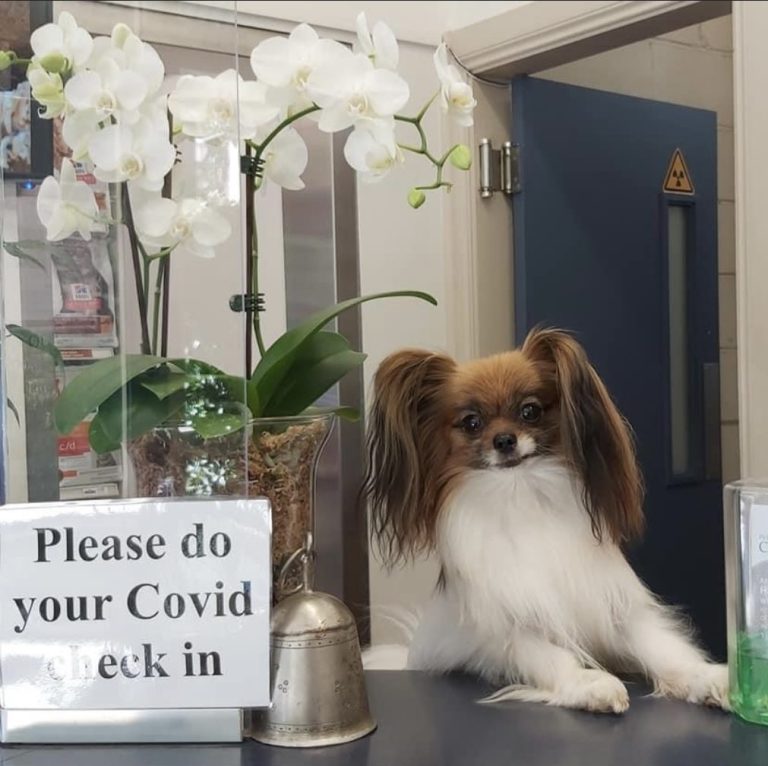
421, 22
403, 248
750, 29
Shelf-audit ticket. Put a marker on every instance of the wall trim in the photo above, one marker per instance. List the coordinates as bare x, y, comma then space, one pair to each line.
750, 26
542, 35
460, 237
224, 12
150, 22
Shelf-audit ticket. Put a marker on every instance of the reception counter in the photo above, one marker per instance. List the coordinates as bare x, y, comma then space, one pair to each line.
429, 721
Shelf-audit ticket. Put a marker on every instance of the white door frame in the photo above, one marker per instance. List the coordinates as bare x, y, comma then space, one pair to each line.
540, 35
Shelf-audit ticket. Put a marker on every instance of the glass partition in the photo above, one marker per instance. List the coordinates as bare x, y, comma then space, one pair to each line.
124, 244
127, 285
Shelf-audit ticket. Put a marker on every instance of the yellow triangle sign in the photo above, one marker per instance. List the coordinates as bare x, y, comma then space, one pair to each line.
678, 179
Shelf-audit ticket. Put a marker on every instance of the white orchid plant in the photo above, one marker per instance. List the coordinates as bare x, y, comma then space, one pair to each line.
121, 122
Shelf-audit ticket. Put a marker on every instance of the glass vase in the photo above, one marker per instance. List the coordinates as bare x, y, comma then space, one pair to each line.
276, 458
746, 552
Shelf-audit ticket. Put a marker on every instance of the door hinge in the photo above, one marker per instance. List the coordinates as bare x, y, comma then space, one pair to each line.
499, 168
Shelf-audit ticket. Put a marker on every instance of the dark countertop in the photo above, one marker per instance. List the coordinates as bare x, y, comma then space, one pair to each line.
429, 721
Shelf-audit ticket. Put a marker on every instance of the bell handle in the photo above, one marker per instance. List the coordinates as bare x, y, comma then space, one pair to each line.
307, 556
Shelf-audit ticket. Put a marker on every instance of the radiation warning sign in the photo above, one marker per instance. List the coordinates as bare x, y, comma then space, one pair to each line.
678, 179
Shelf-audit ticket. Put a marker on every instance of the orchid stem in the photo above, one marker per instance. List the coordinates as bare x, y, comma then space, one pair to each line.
16, 61
260, 147
135, 260
255, 290
146, 265
252, 318
425, 108
159, 279
423, 147
255, 151
165, 265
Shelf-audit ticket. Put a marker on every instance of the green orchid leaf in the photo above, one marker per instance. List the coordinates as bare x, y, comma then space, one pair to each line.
321, 361
164, 383
132, 411
196, 367
92, 387
236, 388
12, 408
345, 413
98, 439
252, 400
223, 421
204, 377
276, 364
19, 250
33, 340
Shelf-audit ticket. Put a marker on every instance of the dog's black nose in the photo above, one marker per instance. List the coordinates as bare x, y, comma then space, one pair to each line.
504, 443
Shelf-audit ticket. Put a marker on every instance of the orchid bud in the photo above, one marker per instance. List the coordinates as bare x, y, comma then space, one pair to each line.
47, 92
416, 198
5, 60
461, 157
120, 34
55, 63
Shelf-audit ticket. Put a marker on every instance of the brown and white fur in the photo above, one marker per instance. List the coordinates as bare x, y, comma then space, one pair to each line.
521, 473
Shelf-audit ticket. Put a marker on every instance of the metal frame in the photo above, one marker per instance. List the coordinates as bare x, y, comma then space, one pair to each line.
320, 227
3, 386
354, 521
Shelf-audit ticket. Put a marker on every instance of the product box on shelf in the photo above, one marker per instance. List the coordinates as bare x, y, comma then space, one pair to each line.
78, 463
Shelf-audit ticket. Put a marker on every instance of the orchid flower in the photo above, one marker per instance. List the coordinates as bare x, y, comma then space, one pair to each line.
380, 47
224, 106
119, 79
47, 90
285, 159
138, 153
61, 47
456, 96
371, 151
130, 53
66, 206
77, 130
286, 63
109, 91
352, 90
134, 54
187, 224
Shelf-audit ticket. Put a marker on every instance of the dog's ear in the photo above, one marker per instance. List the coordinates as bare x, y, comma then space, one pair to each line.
596, 440
406, 450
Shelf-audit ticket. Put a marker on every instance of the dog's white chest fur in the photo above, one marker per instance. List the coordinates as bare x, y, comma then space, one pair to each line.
518, 553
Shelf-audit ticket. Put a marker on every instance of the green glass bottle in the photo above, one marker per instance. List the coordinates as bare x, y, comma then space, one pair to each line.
746, 558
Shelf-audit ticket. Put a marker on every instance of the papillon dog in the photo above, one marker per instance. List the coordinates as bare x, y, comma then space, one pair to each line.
519, 471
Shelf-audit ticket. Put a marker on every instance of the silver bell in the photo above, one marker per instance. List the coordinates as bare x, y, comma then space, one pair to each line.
318, 687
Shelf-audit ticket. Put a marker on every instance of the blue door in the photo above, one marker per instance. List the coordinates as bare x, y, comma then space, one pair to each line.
616, 240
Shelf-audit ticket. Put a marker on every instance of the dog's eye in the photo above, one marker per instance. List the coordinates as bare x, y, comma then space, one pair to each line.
530, 412
472, 423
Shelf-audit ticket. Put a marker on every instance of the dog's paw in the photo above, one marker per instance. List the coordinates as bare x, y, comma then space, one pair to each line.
593, 690
703, 684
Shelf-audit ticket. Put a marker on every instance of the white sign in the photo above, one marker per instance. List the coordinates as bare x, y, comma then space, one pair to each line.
135, 604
